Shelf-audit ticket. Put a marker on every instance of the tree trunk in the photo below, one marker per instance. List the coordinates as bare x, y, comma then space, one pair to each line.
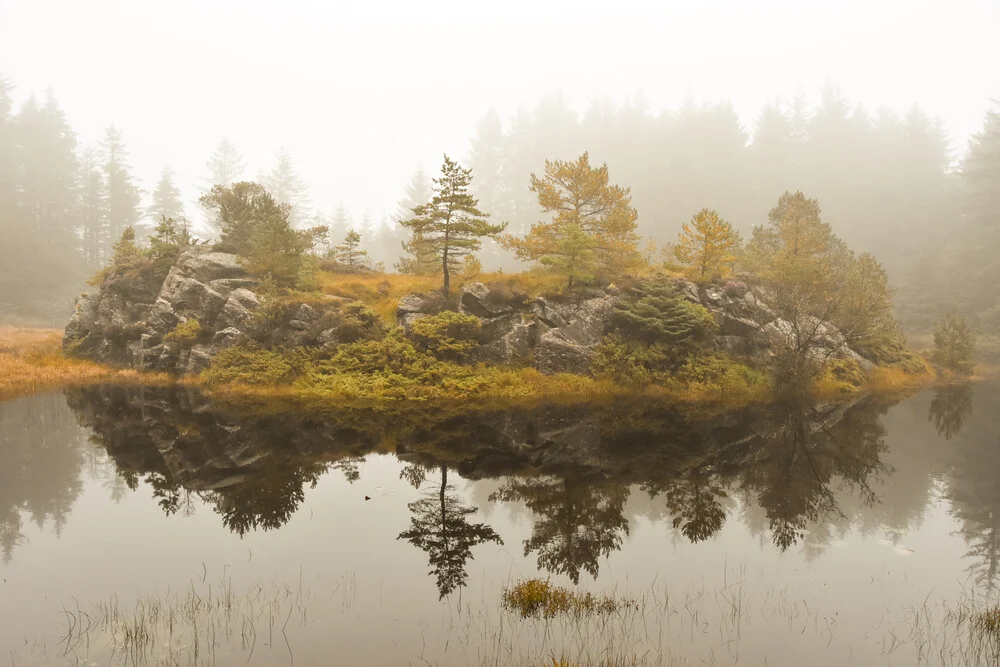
447, 275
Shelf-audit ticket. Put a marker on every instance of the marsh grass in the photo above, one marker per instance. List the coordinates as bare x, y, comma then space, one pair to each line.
534, 598
32, 360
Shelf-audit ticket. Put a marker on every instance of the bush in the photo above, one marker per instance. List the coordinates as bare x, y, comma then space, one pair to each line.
253, 366
656, 313
447, 335
185, 334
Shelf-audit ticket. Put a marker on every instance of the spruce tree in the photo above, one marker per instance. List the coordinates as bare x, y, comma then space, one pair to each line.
286, 187
121, 203
167, 198
450, 226
226, 165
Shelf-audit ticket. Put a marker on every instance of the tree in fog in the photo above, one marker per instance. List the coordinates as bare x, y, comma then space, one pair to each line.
90, 190
950, 408
255, 226
167, 198
954, 342
707, 246
440, 526
121, 204
450, 226
815, 279
349, 251
981, 203
417, 193
226, 165
583, 205
286, 187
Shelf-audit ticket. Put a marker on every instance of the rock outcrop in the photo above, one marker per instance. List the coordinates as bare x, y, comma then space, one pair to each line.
129, 322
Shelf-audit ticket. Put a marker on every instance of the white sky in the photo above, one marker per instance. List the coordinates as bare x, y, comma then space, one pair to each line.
362, 92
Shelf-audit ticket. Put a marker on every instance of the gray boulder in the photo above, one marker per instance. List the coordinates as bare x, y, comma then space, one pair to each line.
477, 299
568, 349
207, 266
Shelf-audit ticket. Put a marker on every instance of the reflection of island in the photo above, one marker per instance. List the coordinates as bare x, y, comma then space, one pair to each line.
440, 526
797, 473
42, 453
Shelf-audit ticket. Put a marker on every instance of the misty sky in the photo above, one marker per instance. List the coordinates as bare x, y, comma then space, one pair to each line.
362, 92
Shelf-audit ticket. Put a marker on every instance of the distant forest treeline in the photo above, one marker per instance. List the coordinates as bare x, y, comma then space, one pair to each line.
888, 184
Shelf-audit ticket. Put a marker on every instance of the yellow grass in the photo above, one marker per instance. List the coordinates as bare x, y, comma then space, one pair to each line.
31, 360
382, 291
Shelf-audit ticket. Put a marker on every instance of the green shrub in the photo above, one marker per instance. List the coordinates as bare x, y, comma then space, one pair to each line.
655, 312
447, 335
185, 334
357, 321
253, 366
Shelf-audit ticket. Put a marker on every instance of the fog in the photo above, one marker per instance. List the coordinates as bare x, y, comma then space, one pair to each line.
361, 93
871, 107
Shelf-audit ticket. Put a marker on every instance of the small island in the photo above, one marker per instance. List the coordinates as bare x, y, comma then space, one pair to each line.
711, 319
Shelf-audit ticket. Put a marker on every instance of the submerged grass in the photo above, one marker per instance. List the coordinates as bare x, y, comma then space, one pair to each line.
536, 598
31, 360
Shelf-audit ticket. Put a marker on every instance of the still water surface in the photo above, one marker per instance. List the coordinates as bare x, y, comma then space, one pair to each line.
153, 527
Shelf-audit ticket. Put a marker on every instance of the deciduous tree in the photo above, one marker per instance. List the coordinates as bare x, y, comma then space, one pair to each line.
707, 246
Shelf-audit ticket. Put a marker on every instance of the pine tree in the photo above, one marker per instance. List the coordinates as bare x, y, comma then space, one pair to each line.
450, 225
121, 203
226, 166
286, 187
349, 252
167, 198
707, 246
580, 198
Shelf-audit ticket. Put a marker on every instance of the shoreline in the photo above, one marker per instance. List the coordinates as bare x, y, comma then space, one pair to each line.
31, 362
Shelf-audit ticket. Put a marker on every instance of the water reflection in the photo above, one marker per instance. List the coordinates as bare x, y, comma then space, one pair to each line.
42, 452
439, 525
796, 474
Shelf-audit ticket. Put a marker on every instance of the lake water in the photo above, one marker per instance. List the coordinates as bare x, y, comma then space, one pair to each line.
142, 526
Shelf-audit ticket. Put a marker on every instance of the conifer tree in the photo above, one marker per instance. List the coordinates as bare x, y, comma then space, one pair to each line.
580, 199
707, 246
286, 187
91, 188
167, 198
349, 251
121, 203
418, 191
226, 165
450, 226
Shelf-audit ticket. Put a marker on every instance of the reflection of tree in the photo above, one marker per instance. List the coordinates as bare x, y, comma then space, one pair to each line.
266, 500
439, 525
350, 467
41, 460
414, 473
951, 406
974, 492
694, 501
793, 465
577, 520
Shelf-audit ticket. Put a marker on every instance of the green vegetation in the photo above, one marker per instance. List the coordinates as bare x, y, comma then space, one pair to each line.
185, 334
954, 342
255, 226
448, 335
535, 598
450, 226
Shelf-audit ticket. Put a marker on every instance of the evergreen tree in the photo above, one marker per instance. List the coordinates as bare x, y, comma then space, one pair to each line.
167, 198
121, 201
286, 187
707, 246
579, 197
418, 192
90, 206
255, 226
349, 251
226, 165
450, 225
